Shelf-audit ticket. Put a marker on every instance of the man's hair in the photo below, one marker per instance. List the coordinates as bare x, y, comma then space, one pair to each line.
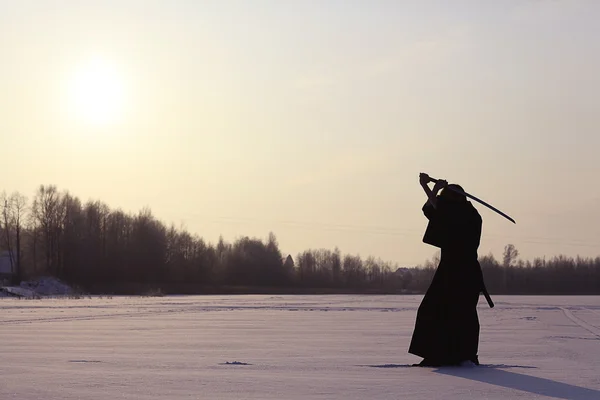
449, 194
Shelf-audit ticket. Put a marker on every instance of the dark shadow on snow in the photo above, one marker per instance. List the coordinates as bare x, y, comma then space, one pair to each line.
482, 366
525, 383
234, 363
503, 366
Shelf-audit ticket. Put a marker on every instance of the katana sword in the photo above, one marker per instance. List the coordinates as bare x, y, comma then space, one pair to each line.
476, 199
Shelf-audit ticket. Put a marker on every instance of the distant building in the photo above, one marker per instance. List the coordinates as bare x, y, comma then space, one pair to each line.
401, 272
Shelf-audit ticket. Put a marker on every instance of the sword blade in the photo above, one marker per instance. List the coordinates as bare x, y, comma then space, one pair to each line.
479, 201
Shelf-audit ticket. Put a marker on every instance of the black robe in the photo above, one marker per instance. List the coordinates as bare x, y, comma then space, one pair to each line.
447, 325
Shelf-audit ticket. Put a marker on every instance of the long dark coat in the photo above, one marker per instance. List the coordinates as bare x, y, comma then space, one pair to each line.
447, 325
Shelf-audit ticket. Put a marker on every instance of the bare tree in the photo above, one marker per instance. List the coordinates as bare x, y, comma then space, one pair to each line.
34, 233
510, 255
48, 215
17, 204
435, 260
508, 258
7, 229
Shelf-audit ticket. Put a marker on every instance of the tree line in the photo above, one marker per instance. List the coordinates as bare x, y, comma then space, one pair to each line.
98, 248
91, 245
510, 275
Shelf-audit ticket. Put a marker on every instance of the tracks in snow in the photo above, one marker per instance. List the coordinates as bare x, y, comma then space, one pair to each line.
157, 311
590, 328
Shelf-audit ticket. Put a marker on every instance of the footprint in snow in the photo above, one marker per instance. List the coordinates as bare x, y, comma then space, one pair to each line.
234, 363
84, 361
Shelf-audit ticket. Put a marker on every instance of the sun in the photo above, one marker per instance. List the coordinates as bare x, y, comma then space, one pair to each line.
97, 93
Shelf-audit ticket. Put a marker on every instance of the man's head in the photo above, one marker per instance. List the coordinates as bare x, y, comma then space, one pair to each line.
450, 195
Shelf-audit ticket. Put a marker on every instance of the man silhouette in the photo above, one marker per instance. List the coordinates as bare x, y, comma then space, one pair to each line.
447, 326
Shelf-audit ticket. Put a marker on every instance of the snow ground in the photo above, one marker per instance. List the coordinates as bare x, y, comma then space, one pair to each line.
288, 347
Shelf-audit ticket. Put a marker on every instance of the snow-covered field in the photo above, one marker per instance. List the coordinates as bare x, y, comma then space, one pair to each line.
288, 347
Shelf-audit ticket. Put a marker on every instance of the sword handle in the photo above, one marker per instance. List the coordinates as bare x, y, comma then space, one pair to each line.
434, 180
430, 178
488, 298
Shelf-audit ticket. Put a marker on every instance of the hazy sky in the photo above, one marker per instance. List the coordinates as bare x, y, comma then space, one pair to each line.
311, 119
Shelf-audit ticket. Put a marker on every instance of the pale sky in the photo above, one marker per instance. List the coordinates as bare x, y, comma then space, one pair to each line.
311, 119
